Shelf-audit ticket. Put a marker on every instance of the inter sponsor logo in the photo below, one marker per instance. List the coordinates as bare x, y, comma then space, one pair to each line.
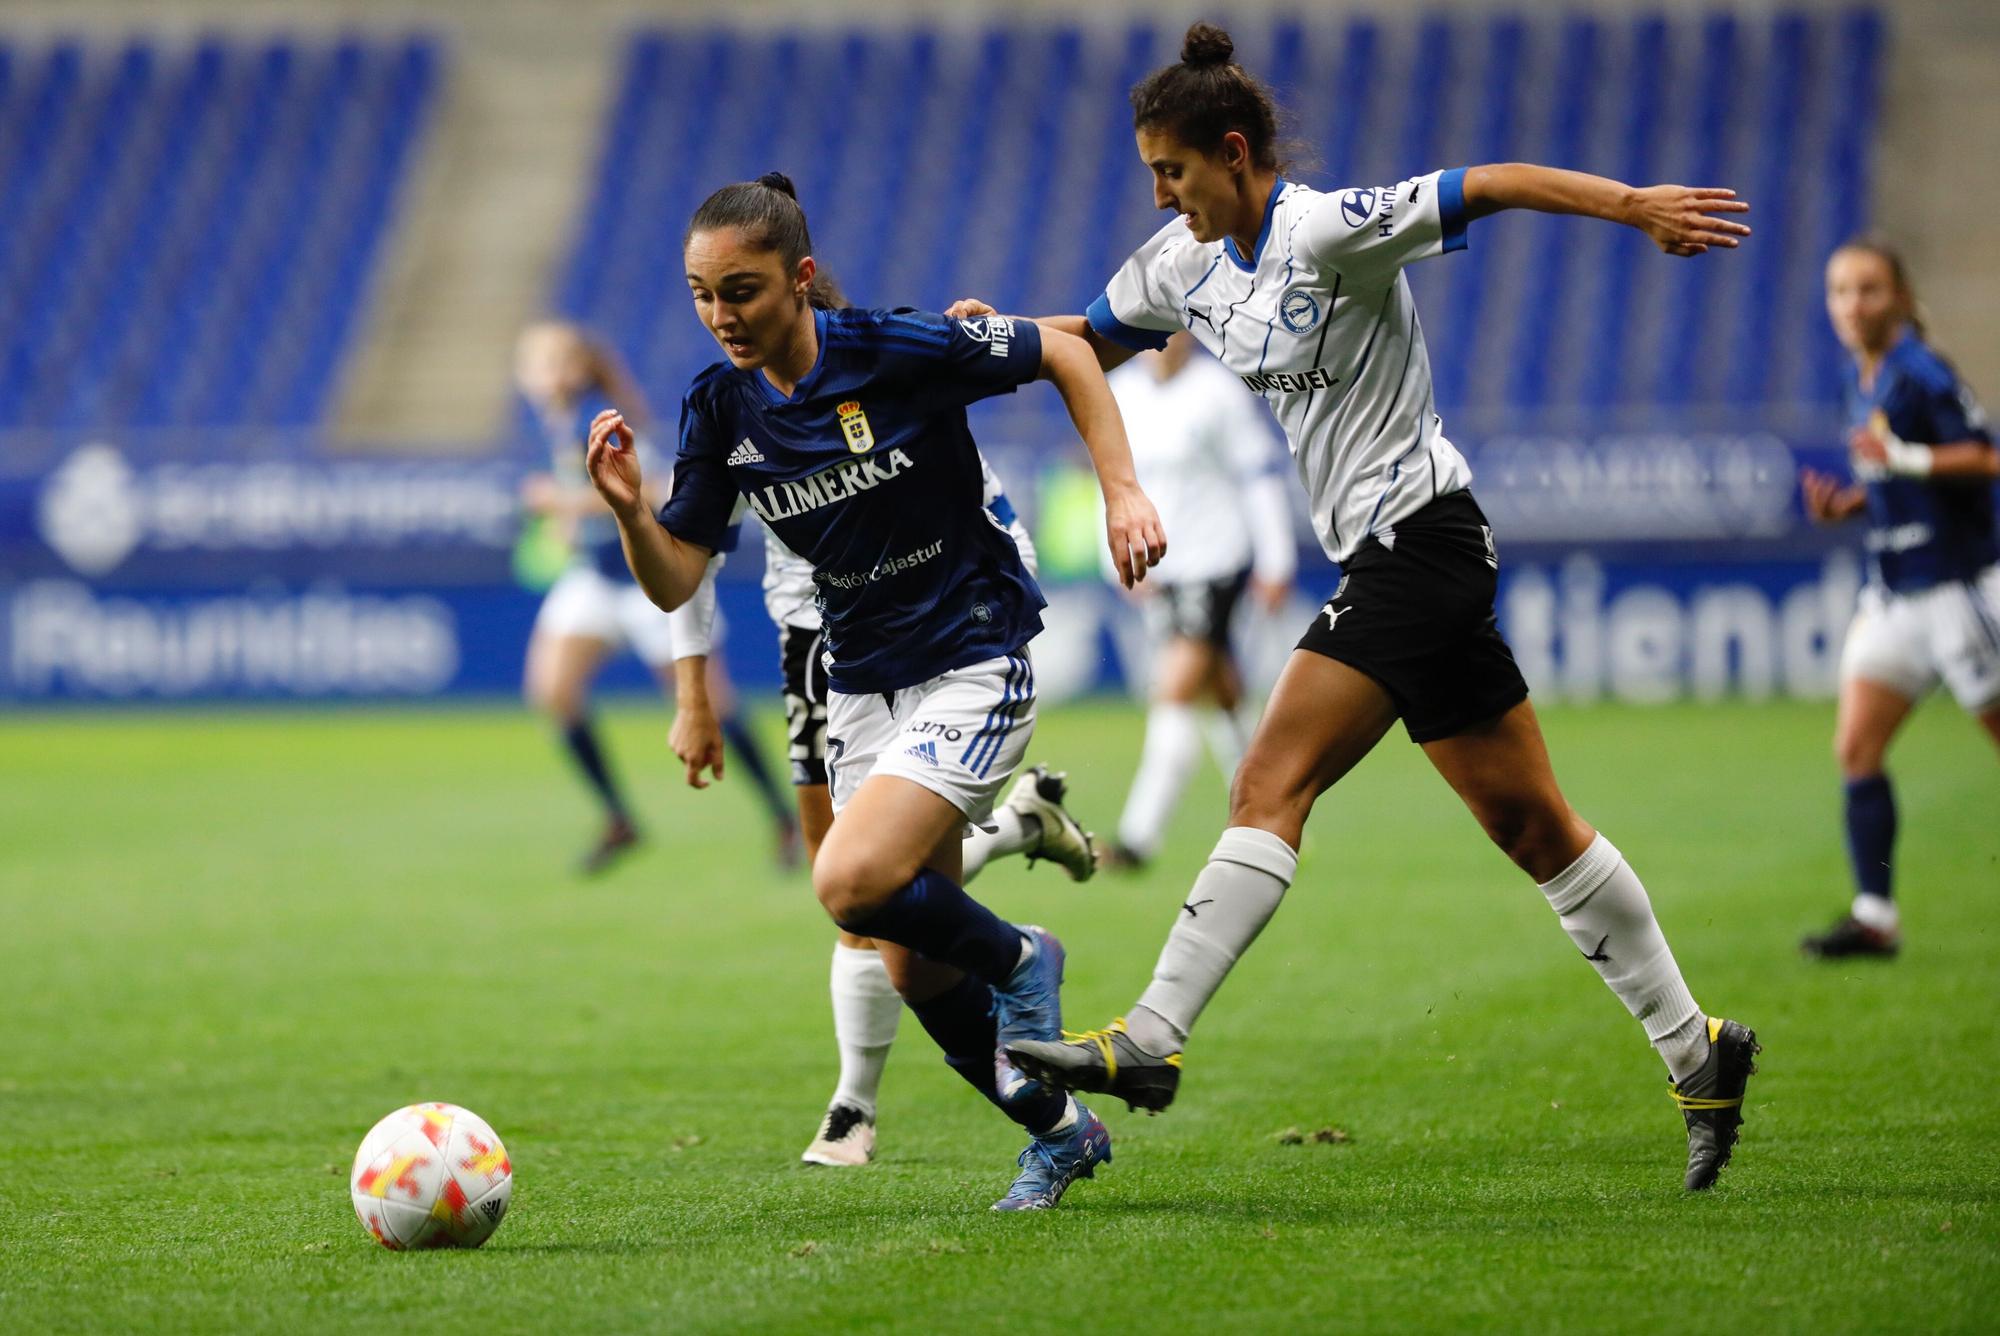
995, 331
1291, 382
836, 482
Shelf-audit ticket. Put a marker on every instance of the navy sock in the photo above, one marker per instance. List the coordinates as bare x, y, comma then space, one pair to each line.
960, 1020
751, 757
581, 739
1871, 833
934, 917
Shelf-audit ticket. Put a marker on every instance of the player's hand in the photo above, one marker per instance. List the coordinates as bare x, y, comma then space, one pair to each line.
613, 463
696, 738
1133, 529
1681, 219
968, 308
1270, 595
1827, 499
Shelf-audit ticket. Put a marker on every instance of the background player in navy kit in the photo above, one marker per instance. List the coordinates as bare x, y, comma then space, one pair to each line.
846, 431
1302, 295
1925, 462
594, 608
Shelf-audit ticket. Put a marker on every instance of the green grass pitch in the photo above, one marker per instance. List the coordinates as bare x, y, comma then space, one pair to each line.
229, 943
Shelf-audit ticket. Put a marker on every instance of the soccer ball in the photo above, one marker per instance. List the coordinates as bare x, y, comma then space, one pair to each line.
431, 1176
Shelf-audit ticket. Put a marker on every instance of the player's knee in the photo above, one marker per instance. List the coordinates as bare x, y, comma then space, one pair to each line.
1857, 756
851, 882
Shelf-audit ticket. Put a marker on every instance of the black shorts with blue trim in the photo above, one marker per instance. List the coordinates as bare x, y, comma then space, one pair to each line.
802, 650
1414, 611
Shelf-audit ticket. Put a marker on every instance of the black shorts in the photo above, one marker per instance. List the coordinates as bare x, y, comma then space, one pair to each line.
803, 652
1416, 614
1197, 609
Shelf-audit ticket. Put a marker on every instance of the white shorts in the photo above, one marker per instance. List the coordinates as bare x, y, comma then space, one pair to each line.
586, 602
961, 735
1910, 642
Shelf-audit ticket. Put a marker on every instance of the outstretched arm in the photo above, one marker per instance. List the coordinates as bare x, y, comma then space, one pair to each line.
1681, 220
668, 569
1109, 355
1132, 526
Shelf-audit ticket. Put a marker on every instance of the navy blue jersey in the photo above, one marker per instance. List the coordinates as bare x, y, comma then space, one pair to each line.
869, 472
1923, 531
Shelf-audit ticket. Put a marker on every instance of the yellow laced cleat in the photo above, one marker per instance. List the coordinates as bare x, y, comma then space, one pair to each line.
1106, 1061
1711, 1100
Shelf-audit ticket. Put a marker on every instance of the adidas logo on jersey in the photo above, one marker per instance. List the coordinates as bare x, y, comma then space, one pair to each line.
745, 453
925, 752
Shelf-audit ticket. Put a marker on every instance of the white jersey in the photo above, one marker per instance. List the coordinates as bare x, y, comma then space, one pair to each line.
788, 577
1320, 321
1209, 461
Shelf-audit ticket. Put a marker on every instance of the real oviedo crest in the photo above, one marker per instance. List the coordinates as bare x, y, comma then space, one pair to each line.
1299, 310
854, 426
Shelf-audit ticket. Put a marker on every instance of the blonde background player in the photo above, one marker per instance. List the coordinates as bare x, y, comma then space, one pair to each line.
1208, 456
595, 608
1924, 464
1301, 294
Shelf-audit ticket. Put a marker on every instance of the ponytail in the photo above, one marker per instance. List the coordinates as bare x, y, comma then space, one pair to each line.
767, 212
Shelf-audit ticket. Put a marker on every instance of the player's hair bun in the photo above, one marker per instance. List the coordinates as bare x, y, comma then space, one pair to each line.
1206, 44
779, 182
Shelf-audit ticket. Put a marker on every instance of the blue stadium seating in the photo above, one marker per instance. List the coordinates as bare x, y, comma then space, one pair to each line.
937, 161
191, 229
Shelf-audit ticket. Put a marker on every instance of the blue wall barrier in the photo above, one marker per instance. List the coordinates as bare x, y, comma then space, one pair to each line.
1635, 567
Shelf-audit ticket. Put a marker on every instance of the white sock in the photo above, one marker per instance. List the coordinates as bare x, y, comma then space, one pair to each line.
1876, 911
1228, 734
1166, 763
1232, 900
866, 1008
1012, 833
1064, 1123
1603, 907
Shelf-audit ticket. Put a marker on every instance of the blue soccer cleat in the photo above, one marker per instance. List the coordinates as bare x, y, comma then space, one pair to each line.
1050, 1164
1029, 1006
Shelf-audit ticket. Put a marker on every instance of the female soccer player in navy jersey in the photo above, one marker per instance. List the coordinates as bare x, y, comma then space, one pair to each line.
1031, 821
1302, 295
566, 378
845, 430
1924, 463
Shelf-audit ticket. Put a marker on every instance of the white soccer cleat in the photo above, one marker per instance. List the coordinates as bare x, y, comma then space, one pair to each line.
1039, 793
846, 1138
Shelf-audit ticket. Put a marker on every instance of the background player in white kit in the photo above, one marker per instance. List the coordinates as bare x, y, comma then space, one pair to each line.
1208, 457
1924, 462
867, 1009
1302, 295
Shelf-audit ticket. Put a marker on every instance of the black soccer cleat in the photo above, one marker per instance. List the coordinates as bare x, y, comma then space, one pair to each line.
1851, 937
617, 839
1105, 1062
1711, 1100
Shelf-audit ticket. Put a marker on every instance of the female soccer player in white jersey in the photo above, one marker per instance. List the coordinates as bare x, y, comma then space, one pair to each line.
594, 609
1208, 457
846, 431
1031, 820
1302, 295
1924, 463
